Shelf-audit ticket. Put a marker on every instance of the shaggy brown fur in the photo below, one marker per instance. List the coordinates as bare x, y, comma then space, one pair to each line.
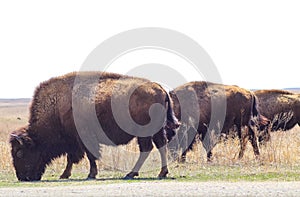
53, 130
240, 111
281, 107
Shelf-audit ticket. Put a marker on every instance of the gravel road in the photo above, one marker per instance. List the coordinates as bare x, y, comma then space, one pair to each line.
163, 189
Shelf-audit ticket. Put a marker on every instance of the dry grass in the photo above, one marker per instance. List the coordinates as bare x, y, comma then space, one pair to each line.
11, 117
281, 155
284, 148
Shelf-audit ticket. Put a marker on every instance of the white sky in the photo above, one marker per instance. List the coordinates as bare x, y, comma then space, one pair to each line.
254, 44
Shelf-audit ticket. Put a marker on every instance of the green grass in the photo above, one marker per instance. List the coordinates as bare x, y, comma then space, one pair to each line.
178, 172
233, 174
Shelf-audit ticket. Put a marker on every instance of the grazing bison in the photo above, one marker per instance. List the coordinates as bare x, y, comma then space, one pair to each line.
61, 122
208, 105
281, 107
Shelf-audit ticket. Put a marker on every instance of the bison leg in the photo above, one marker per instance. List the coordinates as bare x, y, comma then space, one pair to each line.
253, 140
182, 158
93, 167
164, 168
145, 146
160, 142
187, 143
135, 171
243, 137
208, 144
173, 147
209, 156
67, 173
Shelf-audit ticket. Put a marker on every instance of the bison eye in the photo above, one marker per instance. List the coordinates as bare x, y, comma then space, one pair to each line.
19, 154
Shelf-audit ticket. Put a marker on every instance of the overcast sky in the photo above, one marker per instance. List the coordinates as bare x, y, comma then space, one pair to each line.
253, 44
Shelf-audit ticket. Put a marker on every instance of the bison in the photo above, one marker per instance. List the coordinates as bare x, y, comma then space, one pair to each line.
206, 106
281, 107
72, 114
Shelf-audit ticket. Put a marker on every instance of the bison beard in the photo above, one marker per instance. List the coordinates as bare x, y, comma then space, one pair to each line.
52, 130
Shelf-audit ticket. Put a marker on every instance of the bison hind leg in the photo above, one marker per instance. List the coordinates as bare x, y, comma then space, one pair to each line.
145, 146
131, 175
93, 167
135, 171
160, 142
164, 168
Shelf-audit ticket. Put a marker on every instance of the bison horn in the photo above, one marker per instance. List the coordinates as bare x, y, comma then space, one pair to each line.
18, 138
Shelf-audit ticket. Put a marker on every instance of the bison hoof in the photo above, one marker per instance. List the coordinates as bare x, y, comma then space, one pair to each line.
90, 178
182, 160
131, 175
64, 176
162, 177
163, 173
128, 178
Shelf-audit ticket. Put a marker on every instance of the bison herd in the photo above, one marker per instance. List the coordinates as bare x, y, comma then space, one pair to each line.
74, 114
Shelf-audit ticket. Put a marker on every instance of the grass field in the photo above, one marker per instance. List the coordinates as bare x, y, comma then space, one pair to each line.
279, 161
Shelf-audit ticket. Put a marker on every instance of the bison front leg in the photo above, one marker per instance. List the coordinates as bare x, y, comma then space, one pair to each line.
135, 171
173, 147
253, 140
187, 141
67, 173
145, 146
208, 143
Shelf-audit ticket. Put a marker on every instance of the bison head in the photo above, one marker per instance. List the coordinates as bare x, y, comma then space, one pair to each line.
263, 126
26, 157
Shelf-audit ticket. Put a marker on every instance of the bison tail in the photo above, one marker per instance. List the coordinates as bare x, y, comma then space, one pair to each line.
172, 121
254, 106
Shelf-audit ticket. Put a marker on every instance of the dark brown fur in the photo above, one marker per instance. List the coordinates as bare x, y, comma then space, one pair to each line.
281, 107
52, 131
241, 110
